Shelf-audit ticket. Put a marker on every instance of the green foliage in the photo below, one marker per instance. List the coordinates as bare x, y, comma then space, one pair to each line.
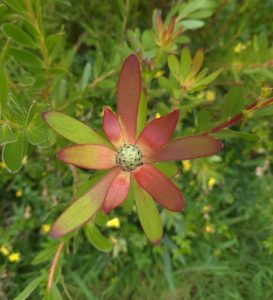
65, 56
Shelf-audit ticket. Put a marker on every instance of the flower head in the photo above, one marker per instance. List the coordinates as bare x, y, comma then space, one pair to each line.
130, 158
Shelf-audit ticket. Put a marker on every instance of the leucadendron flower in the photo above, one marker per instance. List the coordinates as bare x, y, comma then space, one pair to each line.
129, 157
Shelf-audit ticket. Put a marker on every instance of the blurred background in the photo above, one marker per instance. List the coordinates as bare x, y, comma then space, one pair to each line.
65, 55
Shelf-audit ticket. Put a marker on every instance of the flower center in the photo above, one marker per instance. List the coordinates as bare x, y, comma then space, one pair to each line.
129, 157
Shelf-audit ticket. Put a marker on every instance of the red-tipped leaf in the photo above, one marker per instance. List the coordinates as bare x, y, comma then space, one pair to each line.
128, 95
83, 209
88, 156
112, 128
117, 192
159, 187
157, 133
186, 148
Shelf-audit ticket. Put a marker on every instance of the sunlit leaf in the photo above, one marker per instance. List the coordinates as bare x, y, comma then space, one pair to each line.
208, 79
73, 129
174, 66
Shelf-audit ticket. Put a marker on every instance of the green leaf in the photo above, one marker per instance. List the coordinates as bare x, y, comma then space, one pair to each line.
26, 57
101, 218
37, 130
45, 255
85, 77
234, 101
3, 89
148, 214
142, 113
73, 129
168, 169
192, 24
97, 239
185, 61
208, 79
197, 62
29, 289
18, 35
6, 135
13, 154
62, 91
203, 121
53, 293
174, 67
16, 5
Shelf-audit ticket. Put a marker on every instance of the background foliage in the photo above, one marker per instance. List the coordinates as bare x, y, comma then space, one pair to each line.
65, 56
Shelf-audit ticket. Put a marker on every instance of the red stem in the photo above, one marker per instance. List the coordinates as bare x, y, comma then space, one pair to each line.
252, 107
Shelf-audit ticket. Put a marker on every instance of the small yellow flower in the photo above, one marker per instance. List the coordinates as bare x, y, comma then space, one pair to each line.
210, 95
186, 165
158, 74
206, 209
2, 165
266, 91
113, 223
45, 228
4, 250
209, 228
211, 182
14, 257
157, 115
239, 48
19, 194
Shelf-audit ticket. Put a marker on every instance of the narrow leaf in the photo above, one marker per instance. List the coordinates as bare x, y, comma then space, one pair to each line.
174, 67
208, 79
18, 35
197, 62
3, 89
85, 76
97, 239
26, 57
186, 61
148, 214
142, 113
29, 289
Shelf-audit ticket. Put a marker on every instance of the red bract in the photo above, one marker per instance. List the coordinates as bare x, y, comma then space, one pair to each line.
129, 158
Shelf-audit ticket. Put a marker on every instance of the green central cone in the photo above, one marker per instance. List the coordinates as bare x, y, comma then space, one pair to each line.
129, 157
